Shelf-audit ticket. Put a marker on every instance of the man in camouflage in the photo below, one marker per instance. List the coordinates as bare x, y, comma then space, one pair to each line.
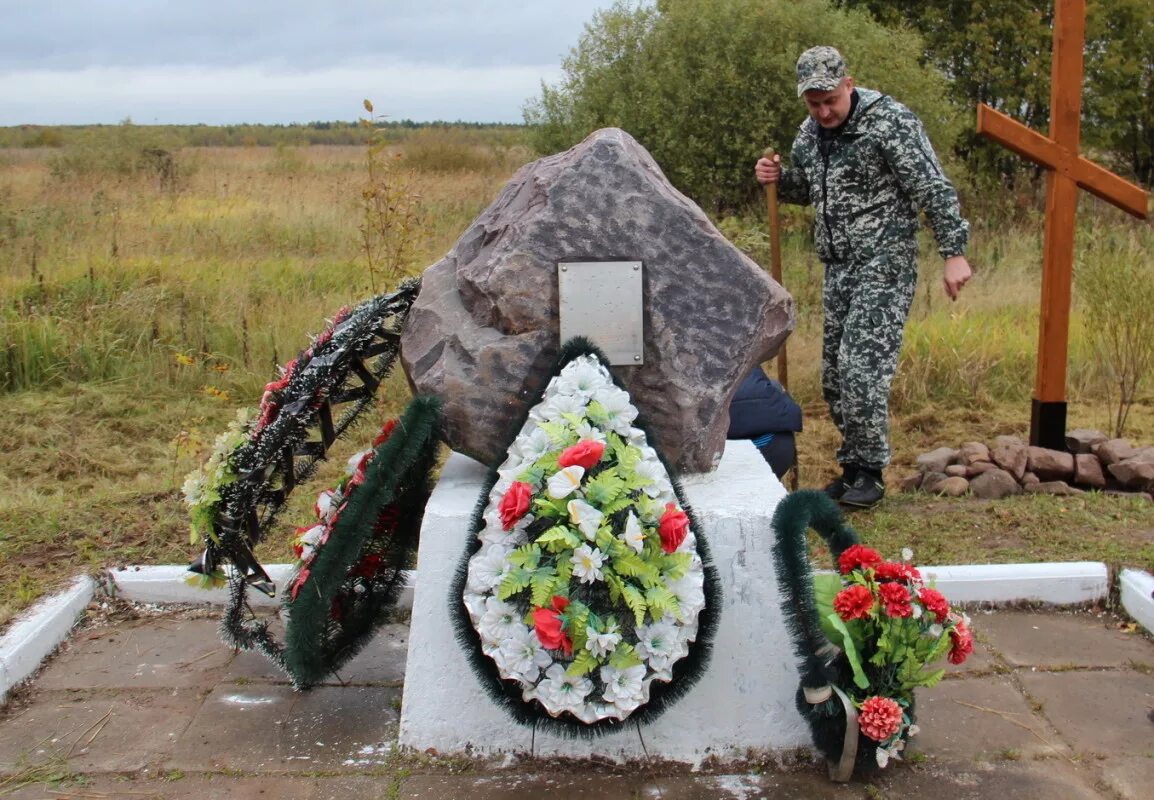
863, 160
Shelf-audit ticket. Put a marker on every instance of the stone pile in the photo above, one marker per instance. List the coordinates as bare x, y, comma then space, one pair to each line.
1011, 466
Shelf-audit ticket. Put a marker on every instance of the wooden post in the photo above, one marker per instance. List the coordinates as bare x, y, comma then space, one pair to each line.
775, 263
1068, 171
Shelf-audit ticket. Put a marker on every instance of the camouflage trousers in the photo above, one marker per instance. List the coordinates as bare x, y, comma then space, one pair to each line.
865, 308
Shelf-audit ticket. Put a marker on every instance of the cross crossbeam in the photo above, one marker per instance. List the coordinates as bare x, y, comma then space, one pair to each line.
1067, 172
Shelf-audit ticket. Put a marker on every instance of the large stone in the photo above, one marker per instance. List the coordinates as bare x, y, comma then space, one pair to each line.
1136, 472
1082, 440
937, 460
973, 452
994, 484
1050, 465
1011, 454
1113, 451
979, 467
957, 470
483, 333
1088, 471
1060, 488
931, 480
952, 487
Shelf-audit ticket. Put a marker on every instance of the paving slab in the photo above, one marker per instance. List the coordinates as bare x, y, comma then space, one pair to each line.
96, 731
266, 728
141, 654
981, 719
1131, 778
590, 785
211, 787
980, 662
381, 662
1046, 779
1055, 639
1103, 712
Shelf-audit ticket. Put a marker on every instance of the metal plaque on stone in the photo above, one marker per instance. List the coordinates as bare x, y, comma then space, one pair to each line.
601, 300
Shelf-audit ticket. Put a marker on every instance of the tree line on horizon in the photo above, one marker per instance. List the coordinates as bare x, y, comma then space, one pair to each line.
706, 85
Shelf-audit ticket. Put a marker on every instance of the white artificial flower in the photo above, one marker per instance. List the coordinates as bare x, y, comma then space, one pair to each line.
500, 621
355, 461
621, 412
556, 406
585, 517
533, 445
561, 692
327, 504
487, 568
587, 430
657, 643
565, 481
623, 687
581, 377
935, 631
689, 590
493, 532
907, 554
523, 655
633, 536
475, 605
193, 488
587, 563
913, 730
602, 644
657, 479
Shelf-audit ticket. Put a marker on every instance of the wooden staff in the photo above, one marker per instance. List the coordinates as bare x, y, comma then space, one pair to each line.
775, 262
775, 271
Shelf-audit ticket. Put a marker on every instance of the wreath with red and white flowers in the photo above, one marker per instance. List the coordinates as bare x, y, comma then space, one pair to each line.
586, 582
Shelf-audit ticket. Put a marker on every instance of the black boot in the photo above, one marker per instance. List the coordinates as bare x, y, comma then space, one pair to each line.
836, 488
866, 490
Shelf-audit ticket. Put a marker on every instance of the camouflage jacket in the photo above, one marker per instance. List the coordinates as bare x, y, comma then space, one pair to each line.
867, 191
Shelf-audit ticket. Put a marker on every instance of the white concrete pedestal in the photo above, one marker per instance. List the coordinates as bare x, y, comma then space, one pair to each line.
743, 701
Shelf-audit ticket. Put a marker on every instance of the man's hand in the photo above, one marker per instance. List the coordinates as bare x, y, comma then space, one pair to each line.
768, 171
957, 274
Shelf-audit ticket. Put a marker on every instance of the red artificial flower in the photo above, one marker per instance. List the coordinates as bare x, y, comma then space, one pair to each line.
548, 623
673, 528
515, 504
879, 718
386, 431
896, 600
368, 566
963, 643
935, 602
584, 454
894, 571
854, 602
856, 557
302, 576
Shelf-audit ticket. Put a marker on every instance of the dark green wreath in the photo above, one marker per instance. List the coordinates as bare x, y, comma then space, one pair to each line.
822, 664
343, 369
354, 580
507, 694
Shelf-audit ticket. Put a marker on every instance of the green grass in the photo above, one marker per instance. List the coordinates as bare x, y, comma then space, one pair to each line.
136, 319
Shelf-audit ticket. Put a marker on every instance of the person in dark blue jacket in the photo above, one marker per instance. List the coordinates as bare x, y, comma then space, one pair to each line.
763, 411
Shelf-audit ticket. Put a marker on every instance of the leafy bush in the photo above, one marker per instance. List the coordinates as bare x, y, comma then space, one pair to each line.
706, 85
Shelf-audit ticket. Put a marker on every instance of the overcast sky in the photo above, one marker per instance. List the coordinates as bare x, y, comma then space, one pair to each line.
230, 61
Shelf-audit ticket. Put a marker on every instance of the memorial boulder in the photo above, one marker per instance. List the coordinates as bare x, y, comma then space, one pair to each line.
485, 330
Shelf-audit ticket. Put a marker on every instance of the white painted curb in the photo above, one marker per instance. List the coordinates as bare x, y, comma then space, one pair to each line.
1138, 596
1069, 583
35, 634
167, 584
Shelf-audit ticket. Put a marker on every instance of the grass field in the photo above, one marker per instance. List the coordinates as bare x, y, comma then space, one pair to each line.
138, 314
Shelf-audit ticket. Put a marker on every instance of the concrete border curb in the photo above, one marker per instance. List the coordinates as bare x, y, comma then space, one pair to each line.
1138, 596
166, 584
1062, 584
39, 631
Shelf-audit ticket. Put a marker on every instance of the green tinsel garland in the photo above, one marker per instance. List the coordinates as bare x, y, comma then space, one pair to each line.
822, 664
337, 609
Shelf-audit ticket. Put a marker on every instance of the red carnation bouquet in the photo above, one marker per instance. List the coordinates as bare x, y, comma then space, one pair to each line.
893, 629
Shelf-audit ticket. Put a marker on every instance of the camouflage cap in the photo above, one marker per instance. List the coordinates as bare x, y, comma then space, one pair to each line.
821, 68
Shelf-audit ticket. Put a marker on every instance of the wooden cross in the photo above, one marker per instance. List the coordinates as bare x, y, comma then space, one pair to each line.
1067, 171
